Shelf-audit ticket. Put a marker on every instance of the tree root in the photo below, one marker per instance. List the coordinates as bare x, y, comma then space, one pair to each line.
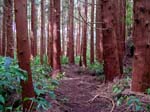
110, 99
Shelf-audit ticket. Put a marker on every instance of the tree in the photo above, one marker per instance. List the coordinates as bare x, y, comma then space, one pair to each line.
0, 35
111, 60
56, 37
78, 40
34, 27
71, 35
9, 25
4, 30
99, 35
42, 47
84, 36
50, 35
92, 34
141, 38
120, 29
23, 50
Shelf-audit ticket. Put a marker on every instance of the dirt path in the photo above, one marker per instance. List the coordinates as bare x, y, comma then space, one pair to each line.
75, 91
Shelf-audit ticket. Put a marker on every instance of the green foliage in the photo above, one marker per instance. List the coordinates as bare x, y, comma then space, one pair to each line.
129, 14
127, 70
64, 60
10, 78
96, 67
43, 85
10, 89
134, 103
77, 59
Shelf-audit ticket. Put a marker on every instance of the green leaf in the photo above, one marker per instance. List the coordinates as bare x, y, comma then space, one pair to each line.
52, 95
2, 99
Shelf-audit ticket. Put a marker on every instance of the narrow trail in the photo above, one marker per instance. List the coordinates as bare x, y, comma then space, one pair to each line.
76, 90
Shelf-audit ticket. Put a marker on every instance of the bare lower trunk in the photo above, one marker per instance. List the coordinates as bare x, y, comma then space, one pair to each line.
71, 35
141, 38
84, 36
111, 60
10, 38
92, 34
99, 37
56, 38
34, 27
23, 49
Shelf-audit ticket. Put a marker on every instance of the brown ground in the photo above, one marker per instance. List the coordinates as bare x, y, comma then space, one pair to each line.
77, 91
81, 91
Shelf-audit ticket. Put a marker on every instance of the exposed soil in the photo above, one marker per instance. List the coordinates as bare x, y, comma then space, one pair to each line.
81, 91
77, 91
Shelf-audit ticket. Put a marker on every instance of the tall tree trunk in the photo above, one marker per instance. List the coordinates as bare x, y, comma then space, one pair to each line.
84, 37
42, 47
99, 35
120, 30
78, 40
10, 38
63, 36
111, 60
56, 38
92, 34
71, 35
0, 36
4, 33
34, 27
141, 38
50, 36
23, 49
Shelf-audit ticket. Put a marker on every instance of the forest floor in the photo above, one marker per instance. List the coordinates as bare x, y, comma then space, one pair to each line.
81, 91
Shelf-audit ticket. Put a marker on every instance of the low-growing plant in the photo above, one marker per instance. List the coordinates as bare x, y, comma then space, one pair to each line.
96, 67
10, 78
64, 60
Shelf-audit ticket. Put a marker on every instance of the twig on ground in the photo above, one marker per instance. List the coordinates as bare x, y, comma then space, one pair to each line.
110, 99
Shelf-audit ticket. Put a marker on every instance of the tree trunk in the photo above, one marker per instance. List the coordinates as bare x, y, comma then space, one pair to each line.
23, 49
141, 38
10, 38
84, 37
99, 35
56, 38
111, 60
78, 40
42, 47
0, 36
92, 34
120, 30
34, 27
50, 36
71, 35
4, 31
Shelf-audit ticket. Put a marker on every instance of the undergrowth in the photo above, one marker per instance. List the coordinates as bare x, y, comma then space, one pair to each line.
10, 89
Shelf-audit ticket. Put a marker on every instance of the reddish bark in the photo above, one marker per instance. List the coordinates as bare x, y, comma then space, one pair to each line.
141, 38
0, 36
9, 25
99, 36
84, 37
34, 27
63, 36
92, 34
56, 38
4, 30
50, 35
78, 40
42, 47
111, 60
71, 35
23, 49
120, 30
